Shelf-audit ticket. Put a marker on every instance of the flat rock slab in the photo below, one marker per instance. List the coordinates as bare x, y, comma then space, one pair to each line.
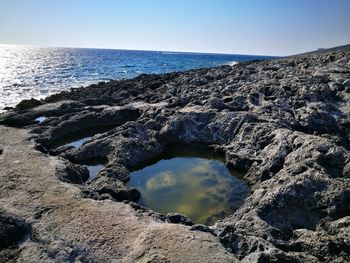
67, 227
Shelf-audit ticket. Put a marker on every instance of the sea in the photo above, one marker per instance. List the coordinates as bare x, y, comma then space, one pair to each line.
37, 72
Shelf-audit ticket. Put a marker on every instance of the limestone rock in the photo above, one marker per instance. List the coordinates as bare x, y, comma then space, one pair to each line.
285, 123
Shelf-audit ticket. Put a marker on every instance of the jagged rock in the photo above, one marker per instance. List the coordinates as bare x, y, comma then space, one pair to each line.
73, 173
118, 172
203, 228
28, 104
114, 188
40, 148
178, 219
284, 122
12, 230
217, 103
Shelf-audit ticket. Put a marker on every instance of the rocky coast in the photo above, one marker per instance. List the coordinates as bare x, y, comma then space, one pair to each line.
285, 123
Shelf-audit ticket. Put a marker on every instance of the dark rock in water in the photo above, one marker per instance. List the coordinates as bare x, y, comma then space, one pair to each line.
118, 172
115, 189
73, 173
176, 218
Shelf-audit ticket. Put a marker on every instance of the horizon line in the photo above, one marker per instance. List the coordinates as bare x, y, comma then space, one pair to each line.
177, 51
146, 50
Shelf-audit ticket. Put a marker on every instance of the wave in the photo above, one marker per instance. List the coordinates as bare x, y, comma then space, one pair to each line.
45, 70
232, 63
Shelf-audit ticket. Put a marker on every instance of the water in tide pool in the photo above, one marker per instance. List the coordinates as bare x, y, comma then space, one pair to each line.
36, 72
192, 182
77, 139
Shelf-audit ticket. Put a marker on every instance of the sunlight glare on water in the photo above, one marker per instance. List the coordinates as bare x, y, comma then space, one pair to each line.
37, 72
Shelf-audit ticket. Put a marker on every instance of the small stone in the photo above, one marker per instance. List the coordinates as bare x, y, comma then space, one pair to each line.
176, 218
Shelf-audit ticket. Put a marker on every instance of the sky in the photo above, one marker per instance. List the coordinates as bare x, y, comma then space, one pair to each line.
260, 27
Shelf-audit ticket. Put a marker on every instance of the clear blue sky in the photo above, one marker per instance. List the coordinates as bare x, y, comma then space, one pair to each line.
273, 27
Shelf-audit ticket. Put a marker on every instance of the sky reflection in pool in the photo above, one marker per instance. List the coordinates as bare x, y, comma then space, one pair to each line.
202, 189
41, 119
93, 170
78, 138
79, 142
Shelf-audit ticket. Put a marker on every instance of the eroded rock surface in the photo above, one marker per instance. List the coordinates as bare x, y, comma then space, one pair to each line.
285, 122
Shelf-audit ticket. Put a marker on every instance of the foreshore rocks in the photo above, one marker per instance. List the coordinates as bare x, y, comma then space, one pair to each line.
12, 231
285, 123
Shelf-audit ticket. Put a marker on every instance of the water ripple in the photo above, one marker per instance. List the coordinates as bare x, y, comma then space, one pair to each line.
36, 72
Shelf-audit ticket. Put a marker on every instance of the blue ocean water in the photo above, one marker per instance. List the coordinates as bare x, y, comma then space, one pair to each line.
36, 72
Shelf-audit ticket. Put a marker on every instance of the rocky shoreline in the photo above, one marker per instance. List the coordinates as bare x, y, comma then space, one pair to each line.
284, 122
